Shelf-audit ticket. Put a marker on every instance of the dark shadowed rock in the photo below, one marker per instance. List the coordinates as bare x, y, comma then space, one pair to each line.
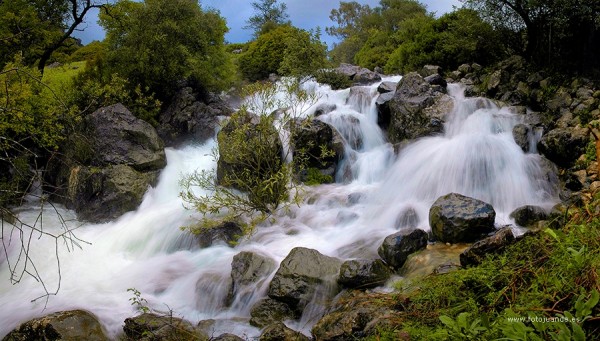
227, 337
455, 218
528, 215
279, 332
63, 325
396, 248
227, 233
364, 273
436, 80
300, 274
429, 70
152, 327
564, 145
190, 119
492, 244
324, 108
521, 135
386, 87
268, 311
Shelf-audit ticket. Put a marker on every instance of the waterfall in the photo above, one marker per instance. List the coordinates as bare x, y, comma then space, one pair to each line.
146, 249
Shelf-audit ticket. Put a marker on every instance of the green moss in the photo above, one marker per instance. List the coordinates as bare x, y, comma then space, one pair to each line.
315, 177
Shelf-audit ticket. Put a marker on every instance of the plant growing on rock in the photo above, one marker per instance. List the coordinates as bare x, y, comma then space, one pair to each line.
256, 172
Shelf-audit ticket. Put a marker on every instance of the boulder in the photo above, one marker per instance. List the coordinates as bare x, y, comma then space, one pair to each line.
408, 218
363, 273
268, 311
309, 137
153, 327
356, 315
105, 169
357, 74
188, 118
386, 87
429, 70
324, 108
226, 233
279, 332
521, 135
492, 244
301, 274
396, 248
528, 215
248, 269
227, 337
564, 145
436, 80
63, 325
408, 117
384, 115
455, 218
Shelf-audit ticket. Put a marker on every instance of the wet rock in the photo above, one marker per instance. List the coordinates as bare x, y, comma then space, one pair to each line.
63, 325
248, 270
301, 274
357, 74
562, 99
521, 135
227, 337
396, 248
465, 69
493, 244
355, 315
152, 327
528, 215
455, 218
309, 138
386, 87
409, 118
436, 80
228, 233
279, 332
383, 109
564, 145
363, 273
355, 198
268, 311
106, 168
429, 70
408, 218
324, 108
188, 118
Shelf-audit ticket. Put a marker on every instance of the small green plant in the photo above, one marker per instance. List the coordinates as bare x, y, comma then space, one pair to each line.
333, 78
315, 177
138, 301
463, 328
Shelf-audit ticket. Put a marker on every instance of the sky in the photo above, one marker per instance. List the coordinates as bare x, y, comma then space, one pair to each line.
306, 14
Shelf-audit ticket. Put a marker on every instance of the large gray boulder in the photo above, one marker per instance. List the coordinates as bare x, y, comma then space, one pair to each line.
455, 218
564, 145
190, 119
106, 168
248, 269
63, 325
280, 332
528, 215
417, 109
496, 243
358, 75
364, 273
301, 274
396, 248
268, 311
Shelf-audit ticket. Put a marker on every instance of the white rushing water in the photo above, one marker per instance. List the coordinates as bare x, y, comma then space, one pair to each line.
146, 249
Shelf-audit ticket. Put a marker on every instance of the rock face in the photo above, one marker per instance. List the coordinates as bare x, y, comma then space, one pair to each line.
528, 215
396, 248
301, 274
455, 218
312, 135
247, 270
152, 327
279, 332
64, 325
363, 273
417, 109
189, 119
354, 316
357, 74
268, 311
107, 168
564, 145
493, 244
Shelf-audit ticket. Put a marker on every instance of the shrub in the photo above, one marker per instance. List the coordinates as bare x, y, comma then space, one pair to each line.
333, 78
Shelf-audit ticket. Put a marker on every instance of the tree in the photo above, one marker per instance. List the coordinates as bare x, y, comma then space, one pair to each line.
286, 50
37, 28
161, 44
269, 15
352, 21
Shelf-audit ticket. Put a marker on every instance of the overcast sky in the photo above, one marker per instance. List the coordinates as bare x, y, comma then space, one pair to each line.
306, 14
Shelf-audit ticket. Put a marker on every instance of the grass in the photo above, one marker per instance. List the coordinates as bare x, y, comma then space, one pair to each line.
59, 78
529, 292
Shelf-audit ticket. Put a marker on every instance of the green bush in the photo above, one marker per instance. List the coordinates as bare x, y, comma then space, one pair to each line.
333, 78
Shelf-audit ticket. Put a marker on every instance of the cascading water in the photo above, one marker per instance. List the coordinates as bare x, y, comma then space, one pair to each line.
146, 249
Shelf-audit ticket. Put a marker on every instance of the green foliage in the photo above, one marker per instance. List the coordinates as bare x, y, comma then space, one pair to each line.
255, 175
158, 44
91, 51
314, 177
334, 79
286, 50
140, 303
462, 328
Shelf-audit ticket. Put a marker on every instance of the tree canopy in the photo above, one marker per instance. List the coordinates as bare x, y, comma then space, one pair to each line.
269, 14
